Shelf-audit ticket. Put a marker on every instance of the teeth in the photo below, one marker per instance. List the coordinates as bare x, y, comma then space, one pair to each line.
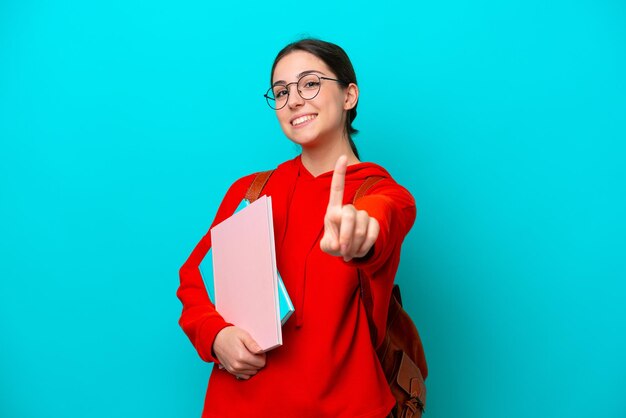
303, 119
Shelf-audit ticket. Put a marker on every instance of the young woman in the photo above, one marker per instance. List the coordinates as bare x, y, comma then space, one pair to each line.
327, 365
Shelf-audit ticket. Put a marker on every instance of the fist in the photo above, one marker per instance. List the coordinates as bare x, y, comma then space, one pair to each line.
348, 232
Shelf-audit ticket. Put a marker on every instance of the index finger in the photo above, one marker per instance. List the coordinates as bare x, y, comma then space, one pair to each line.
338, 182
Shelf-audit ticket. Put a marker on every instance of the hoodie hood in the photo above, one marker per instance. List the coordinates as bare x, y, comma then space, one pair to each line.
354, 173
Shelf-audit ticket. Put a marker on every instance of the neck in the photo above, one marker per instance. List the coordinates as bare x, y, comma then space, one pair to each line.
322, 158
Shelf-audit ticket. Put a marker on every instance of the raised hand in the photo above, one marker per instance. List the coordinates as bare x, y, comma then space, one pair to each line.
348, 232
238, 353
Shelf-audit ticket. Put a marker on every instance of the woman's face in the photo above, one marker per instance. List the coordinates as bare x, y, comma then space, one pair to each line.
310, 122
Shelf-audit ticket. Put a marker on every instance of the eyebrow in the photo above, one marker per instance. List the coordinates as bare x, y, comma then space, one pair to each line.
303, 73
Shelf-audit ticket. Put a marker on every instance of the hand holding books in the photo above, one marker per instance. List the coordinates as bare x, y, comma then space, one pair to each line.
238, 353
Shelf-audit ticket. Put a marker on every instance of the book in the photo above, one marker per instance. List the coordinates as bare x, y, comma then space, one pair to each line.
245, 275
206, 271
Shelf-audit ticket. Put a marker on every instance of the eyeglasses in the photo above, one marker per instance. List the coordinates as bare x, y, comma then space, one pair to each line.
308, 87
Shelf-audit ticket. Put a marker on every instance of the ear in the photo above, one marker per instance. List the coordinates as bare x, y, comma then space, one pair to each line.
352, 96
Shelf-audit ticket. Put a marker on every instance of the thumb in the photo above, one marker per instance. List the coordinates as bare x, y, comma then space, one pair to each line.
250, 344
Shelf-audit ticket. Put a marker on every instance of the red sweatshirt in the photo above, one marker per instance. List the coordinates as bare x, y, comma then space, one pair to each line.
327, 366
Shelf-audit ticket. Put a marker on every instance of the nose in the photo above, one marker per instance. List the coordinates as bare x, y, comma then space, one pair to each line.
294, 100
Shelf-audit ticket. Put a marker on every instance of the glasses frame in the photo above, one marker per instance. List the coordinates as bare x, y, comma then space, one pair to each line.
271, 100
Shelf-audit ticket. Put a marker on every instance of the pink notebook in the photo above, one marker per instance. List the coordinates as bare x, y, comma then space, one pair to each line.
245, 275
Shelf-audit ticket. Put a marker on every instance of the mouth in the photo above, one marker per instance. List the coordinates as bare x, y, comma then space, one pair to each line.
301, 120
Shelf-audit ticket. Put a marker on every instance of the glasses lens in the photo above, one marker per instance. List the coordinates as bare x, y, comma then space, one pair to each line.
309, 86
277, 96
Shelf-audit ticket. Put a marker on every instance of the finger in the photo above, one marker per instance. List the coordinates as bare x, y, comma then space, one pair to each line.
250, 344
247, 361
348, 218
244, 372
360, 233
253, 356
329, 243
337, 183
250, 361
373, 229
257, 361
330, 240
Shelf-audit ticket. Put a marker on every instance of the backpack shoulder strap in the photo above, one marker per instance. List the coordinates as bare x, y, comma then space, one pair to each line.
367, 184
255, 189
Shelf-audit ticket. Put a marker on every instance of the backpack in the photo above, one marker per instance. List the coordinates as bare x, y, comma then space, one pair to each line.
401, 353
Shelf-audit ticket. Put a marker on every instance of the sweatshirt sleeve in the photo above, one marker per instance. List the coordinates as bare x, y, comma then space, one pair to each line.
199, 319
394, 209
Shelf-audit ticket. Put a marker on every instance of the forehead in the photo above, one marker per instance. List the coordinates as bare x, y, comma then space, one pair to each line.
297, 62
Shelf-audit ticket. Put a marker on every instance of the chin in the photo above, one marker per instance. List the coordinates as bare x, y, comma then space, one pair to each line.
303, 138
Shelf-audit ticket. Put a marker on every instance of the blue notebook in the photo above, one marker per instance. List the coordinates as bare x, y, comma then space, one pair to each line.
206, 270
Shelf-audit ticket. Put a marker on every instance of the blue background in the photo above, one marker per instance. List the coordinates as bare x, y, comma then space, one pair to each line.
122, 123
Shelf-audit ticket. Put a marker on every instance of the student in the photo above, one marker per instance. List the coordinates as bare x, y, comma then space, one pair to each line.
327, 366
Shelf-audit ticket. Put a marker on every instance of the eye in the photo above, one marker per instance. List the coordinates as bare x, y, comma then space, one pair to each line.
311, 84
280, 93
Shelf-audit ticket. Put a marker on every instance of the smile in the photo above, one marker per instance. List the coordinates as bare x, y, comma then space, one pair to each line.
302, 119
